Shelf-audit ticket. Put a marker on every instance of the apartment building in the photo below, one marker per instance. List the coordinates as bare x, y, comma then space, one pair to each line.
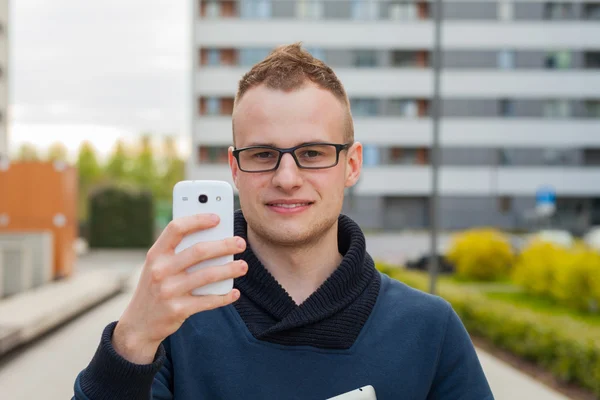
520, 87
4, 15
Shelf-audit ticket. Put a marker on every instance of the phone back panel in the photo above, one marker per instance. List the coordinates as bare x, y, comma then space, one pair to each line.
219, 200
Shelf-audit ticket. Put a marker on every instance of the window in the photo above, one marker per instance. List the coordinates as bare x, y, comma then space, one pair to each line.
554, 157
365, 9
365, 58
557, 109
212, 154
213, 57
212, 9
401, 155
249, 57
505, 10
558, 11
403, 108
592, 108
310, 9
591, 11
403, 58
504, 157
371, 155
504, 204
506, 59
213, 106
507, 108
558, 60
317, 53
259, 9
364, 107
402, 11
592, 59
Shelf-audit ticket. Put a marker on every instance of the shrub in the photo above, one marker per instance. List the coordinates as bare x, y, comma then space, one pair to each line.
536, 267
121, 217
568, 348
570, 276
481, 254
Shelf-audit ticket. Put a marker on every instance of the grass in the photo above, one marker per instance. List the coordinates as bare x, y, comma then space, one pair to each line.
504, 290
543, 305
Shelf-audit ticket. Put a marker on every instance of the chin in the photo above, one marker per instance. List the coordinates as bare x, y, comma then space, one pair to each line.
293, 229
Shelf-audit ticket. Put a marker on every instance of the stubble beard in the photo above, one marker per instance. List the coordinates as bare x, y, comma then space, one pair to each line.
274, 233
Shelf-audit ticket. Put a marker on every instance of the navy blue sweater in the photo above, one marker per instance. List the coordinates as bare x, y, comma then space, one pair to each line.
360, 328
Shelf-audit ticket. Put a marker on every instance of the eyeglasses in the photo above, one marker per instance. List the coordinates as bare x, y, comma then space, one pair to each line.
307, 156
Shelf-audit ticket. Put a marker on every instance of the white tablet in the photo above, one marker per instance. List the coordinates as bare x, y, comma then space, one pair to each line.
363, 393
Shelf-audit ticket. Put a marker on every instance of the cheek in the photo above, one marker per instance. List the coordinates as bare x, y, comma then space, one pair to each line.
250, 184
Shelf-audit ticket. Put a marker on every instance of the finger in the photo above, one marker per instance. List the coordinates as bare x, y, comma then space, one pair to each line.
178, 228
195, 304
184, 283
205, 251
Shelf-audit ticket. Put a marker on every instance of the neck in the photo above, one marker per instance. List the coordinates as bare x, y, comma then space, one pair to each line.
295, 268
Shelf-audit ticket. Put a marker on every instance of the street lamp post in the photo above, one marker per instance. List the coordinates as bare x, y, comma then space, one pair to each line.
435, 148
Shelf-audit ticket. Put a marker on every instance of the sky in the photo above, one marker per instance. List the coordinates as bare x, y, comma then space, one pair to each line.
97, 71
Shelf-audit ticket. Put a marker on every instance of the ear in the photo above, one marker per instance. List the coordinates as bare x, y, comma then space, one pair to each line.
233, 165
353, 164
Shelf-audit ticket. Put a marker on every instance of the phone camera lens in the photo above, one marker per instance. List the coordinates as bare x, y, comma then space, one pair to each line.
203, 198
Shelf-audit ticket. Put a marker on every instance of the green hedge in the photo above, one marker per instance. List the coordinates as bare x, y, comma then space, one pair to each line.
569, 348
121, 217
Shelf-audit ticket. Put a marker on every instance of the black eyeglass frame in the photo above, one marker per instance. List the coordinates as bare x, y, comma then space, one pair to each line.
291, 151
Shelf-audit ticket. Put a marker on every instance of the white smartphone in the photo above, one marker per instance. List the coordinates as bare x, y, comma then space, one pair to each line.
202, 197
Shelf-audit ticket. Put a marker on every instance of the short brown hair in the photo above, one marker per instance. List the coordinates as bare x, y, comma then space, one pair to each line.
288, 67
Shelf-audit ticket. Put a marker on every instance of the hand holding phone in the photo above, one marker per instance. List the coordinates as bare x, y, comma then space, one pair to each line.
186, 260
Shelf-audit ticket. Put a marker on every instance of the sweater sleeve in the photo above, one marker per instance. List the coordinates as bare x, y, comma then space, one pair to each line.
110, 376
458, 373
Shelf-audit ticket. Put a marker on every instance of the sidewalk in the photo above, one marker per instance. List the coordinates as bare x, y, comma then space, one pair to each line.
508, 383
27, 315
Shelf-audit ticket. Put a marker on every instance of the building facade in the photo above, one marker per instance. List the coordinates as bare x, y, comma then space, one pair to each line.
4, 68
520, 88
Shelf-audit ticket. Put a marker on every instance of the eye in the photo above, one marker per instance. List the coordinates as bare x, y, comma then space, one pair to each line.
263, 154
311, 153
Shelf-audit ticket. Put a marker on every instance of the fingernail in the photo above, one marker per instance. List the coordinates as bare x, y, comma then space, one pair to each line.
240, 242
236, 294
215, 218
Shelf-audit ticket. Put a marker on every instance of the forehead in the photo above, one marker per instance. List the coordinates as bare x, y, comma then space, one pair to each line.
286, 118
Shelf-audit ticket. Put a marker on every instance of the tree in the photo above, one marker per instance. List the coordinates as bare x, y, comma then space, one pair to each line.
90, 173
57, 152
144, 165
118, 165
28, 152
174, 168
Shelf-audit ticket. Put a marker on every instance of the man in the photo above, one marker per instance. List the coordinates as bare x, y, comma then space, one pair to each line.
310, 317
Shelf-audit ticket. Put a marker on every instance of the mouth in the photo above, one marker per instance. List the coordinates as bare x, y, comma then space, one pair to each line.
289, 206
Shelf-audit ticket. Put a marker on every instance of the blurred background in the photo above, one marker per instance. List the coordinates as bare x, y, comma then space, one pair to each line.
105, 106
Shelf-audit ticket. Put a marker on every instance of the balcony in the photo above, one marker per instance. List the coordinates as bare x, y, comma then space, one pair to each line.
410, 34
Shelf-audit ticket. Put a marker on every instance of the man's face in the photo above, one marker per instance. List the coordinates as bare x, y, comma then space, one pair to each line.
285, 119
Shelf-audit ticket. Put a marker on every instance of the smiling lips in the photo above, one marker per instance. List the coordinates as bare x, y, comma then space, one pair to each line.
289, 206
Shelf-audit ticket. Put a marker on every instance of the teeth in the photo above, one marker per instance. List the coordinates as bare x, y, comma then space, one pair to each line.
290, 205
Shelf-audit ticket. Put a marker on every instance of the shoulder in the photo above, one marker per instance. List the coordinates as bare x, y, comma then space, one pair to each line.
400, 301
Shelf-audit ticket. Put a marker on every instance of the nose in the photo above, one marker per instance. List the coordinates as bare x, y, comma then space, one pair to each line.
287, 176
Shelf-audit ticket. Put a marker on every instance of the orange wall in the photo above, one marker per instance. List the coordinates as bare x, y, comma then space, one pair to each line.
32, 194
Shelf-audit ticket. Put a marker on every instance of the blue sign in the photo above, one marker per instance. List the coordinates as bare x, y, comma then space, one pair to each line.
545, 199
545, 195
